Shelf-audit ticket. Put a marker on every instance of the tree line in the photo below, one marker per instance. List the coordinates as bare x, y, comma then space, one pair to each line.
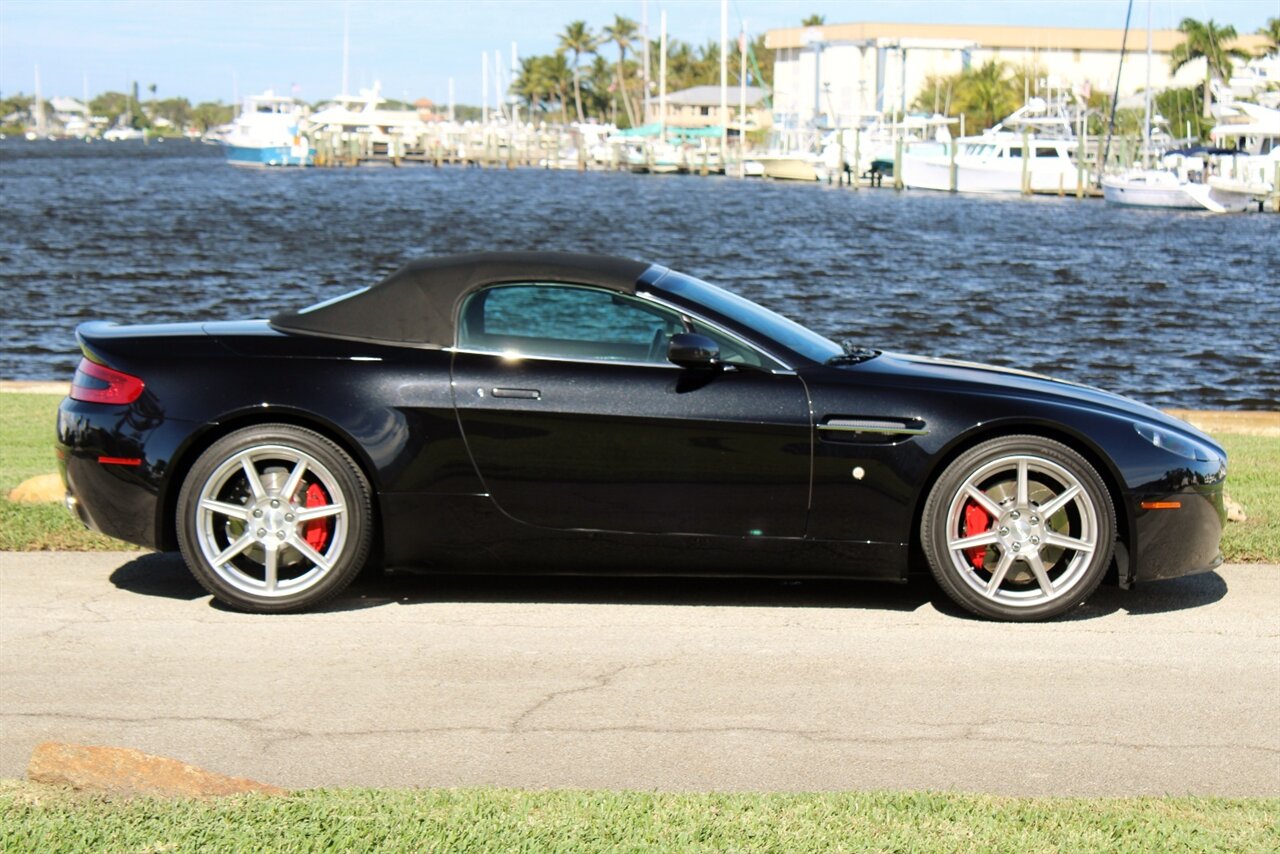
127, 109
600, 75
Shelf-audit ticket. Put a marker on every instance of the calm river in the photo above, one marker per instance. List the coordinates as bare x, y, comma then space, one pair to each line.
1175, 309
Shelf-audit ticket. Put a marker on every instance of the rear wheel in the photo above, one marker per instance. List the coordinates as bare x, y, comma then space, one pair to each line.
274, 518
1018, 528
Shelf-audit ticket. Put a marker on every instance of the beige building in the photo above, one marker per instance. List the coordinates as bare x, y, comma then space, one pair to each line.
859, 69
699, 107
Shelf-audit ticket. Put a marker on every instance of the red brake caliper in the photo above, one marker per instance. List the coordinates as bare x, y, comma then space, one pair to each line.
316, 532
976, 520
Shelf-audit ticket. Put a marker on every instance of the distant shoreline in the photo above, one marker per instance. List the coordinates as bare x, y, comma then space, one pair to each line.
1247, 422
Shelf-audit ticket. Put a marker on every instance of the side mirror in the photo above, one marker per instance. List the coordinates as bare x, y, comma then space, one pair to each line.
693, 351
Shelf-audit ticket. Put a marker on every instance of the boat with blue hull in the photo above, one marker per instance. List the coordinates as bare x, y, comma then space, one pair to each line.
269, 132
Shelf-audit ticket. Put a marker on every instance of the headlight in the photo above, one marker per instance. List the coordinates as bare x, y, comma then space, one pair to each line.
1175, 444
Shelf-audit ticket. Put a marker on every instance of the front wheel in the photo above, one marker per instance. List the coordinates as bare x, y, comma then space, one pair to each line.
1018, 528
274, 518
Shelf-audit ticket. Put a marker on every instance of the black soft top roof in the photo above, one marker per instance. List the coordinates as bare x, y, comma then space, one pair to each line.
418, 304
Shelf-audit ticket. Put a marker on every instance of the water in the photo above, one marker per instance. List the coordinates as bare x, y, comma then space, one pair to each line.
1175, 309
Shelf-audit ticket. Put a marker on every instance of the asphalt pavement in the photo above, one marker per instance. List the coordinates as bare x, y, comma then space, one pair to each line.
417, 680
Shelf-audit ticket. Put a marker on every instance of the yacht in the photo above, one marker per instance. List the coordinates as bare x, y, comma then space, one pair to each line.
268, 132
996, 162
363, 114
1254, 132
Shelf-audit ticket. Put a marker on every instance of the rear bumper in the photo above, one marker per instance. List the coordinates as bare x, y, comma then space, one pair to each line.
113, 463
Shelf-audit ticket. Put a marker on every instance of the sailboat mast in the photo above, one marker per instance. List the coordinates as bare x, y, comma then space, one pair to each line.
346, 47
742, 102
644, 40
1146, 123
724, 77
40, 123
1115, 97
662, 75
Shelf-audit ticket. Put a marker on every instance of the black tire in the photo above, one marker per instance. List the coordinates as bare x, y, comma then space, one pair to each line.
1024, 564
290, 542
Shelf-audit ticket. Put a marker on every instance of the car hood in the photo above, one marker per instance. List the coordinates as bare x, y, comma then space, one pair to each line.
927, 370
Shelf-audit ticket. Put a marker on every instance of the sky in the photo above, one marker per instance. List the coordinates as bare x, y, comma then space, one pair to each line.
213, 50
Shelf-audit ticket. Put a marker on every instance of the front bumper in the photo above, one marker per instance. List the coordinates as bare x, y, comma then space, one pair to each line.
1178, 532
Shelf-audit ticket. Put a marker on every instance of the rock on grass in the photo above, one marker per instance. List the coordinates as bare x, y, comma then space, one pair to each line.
122, 771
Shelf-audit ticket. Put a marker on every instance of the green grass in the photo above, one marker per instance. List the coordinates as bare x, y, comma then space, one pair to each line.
503, 820
1253, 479
27, 425
26, 449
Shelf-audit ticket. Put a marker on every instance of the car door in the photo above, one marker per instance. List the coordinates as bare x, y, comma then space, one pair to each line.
575, 420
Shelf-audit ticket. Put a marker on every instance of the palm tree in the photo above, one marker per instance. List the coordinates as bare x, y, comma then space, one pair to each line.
599, 85
578, 38
709, 62
623, 33
532, 83
1271, 32
558, 75
988, 91
1207, 41
814, 21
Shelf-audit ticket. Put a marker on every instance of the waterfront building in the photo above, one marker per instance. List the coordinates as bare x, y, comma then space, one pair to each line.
848, 71
699, 107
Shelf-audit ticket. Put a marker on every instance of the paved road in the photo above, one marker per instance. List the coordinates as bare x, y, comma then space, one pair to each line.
423, 681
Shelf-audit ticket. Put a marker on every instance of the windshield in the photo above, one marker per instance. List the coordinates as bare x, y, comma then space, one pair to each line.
749, 316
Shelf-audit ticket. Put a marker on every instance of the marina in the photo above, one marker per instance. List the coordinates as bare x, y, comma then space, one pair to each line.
1042, 148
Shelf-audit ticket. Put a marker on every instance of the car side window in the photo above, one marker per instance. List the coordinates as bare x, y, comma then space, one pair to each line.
566, 321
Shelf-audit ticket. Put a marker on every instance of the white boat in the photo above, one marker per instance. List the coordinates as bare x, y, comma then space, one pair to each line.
995, 162
123, 134
1254, 132
792, 155
1184, 183
268, 132
795, 166
875, 142
1166, 188
655, 156
363, 114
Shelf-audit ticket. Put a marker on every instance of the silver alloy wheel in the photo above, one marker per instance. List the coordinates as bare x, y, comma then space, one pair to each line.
251, 517
1042, 534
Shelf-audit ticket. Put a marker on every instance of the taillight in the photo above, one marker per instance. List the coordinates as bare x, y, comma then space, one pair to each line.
95, 383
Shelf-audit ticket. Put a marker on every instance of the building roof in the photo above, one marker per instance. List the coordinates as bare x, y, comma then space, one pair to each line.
989, 36
67, 105
709, 96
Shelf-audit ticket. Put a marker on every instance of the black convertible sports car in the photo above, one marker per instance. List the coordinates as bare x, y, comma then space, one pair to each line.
538, 412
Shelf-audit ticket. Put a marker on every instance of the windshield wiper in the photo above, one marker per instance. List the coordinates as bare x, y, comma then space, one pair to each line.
853, 354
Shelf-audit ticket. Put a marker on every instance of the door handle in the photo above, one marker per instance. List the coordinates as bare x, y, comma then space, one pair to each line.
521, 393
